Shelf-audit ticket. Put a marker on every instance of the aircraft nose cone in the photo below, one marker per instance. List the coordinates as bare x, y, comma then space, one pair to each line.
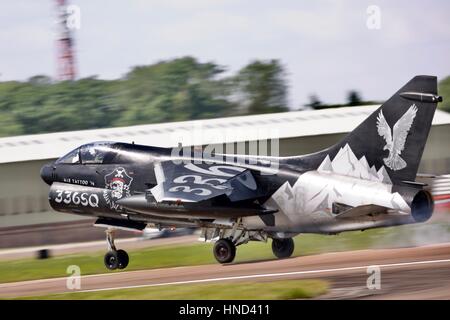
46, 174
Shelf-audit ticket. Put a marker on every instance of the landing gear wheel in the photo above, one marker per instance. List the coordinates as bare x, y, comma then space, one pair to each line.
224, 251
282, 248
114, 259
122, 256
111, 260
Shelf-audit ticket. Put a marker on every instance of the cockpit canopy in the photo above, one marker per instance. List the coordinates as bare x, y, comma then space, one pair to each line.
93, 153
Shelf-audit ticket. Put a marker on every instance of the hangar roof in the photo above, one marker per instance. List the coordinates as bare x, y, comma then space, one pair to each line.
198, 132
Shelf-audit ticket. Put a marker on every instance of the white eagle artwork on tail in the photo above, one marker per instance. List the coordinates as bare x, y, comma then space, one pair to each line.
395, 141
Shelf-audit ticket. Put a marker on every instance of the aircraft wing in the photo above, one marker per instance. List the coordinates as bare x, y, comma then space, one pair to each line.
190, 182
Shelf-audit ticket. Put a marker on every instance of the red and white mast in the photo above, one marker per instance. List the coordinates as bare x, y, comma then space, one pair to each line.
64, 44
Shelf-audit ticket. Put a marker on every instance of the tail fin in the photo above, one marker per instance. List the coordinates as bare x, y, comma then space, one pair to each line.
394, 136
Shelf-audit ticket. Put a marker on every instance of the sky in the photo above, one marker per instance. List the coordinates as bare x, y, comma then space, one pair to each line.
326, 47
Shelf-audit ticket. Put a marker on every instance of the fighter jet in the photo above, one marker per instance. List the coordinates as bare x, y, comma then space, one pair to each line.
366, 180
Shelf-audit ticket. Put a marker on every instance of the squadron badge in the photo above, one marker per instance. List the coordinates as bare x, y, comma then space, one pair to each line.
117, 185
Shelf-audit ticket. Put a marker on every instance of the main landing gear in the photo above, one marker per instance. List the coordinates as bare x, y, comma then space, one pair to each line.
224, 250
282, 248
228, 239
114, 259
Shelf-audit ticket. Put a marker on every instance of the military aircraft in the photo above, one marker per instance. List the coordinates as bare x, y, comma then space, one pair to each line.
366, 180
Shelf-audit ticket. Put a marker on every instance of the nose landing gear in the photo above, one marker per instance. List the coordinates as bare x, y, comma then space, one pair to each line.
114, 259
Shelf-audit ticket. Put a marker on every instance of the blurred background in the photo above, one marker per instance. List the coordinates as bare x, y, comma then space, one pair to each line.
72, 72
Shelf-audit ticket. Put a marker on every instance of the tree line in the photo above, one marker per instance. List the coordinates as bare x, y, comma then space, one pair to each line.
173, 90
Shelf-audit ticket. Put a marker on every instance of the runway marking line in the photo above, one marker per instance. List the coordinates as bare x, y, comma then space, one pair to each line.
266, 275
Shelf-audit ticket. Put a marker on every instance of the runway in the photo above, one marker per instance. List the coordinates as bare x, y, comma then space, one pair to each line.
406, 273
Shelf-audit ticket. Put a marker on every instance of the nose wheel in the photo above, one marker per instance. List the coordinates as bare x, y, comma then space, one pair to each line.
114, 259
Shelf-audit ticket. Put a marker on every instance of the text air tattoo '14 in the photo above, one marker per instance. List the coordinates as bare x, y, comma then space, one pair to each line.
367, 180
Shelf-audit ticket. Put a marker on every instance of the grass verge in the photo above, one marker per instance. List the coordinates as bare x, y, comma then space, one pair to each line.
272, 290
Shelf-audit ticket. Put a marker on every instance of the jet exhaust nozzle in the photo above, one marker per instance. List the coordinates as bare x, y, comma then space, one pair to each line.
422, 206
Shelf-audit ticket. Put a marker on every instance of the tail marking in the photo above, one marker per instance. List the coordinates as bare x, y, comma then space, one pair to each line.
395, 143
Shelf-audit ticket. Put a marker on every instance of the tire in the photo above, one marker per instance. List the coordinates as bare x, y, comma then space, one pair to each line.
111, 260
122, 255
224, 251
282, 248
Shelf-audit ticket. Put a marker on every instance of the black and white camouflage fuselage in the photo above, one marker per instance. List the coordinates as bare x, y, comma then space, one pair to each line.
367, 180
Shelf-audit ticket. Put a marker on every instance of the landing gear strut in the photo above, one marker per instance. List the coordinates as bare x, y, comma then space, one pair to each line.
282, 248
224, 250
114, 259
